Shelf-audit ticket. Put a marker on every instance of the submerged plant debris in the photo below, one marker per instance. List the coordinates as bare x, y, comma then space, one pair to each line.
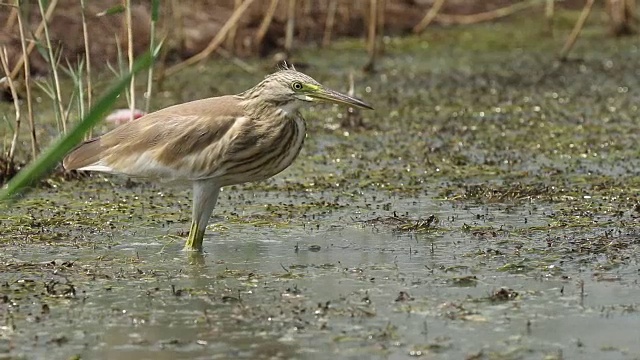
488, 209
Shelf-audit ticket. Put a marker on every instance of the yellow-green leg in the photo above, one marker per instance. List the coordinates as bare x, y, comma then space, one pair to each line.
205, 196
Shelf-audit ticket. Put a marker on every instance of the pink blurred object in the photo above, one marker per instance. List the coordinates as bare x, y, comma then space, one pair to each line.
121, 116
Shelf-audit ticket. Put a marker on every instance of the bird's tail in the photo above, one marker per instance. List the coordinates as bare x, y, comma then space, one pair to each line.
84, 156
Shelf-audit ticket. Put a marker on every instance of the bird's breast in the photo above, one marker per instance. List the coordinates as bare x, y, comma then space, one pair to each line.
264, 151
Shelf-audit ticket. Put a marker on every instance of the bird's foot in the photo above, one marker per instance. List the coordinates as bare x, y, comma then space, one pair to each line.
194, 241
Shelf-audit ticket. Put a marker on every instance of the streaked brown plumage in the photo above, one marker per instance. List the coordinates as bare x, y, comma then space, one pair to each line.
212, 142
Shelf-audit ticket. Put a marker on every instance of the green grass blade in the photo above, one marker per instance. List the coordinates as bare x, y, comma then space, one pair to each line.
47, 160
155, 10
118, 9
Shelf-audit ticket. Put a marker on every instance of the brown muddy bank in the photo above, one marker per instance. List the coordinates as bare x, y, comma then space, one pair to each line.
188, 27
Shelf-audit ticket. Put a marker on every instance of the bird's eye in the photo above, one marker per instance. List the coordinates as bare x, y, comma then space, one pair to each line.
296, 85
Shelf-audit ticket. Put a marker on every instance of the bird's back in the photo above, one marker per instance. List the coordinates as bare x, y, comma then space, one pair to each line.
160, 144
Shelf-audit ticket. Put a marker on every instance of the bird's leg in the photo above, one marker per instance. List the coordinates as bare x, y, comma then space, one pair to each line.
205, 196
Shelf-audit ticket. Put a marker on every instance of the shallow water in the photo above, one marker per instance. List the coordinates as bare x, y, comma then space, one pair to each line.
487, 209
348, 288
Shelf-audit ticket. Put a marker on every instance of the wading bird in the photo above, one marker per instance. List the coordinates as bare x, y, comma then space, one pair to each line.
212, 142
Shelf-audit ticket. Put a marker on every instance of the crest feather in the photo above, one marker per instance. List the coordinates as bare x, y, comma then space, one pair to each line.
284, 65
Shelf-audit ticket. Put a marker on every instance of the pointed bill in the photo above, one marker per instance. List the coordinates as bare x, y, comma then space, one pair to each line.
336, 97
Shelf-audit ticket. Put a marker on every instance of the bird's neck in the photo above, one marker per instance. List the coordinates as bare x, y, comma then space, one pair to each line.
290, 109
261, 110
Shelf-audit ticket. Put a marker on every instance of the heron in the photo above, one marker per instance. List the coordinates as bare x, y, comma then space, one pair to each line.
213, 142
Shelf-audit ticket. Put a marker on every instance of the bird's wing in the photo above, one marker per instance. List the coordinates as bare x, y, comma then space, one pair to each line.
160, 144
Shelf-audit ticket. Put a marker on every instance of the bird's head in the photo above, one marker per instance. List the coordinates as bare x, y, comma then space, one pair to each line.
290, 89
